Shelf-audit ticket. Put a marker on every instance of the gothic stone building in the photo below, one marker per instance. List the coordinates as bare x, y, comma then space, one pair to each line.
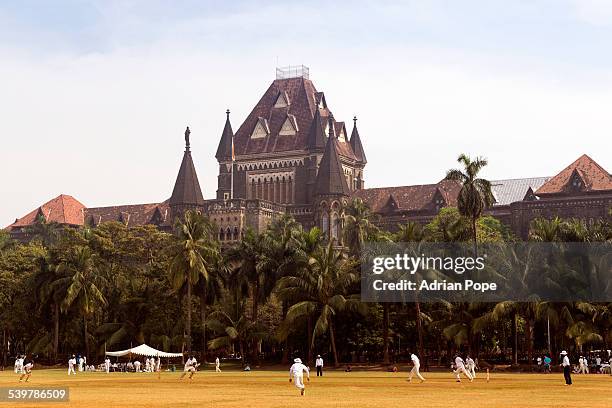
291, 156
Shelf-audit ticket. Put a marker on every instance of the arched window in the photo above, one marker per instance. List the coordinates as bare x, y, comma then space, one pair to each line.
325, 223
334, 225
221, 235
228, 234
235, 233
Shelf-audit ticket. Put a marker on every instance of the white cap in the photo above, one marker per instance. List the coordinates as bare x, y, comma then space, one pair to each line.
297, 360
564, 353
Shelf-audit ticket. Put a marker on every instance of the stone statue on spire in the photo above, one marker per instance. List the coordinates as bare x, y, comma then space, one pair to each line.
187, 133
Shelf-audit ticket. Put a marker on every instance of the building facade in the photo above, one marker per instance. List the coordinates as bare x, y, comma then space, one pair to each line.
291, 156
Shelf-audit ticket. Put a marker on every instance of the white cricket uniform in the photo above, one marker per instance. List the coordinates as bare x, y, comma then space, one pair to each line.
19, 365
71, 364
158, 365
297, 373
217, 365
416, 366
460, 368
471, 366
137, 366
80, 364
190, 365
107, 365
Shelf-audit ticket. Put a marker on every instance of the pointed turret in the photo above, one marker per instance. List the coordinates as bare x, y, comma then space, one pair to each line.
330, 178
226, 144
316, 133
356, 144
186, 193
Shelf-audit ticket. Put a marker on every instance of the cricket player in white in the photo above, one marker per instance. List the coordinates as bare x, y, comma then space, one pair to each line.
416, 366
137, 365
26, 372
107, 365
296, 373
471, 366
18, 365
158, 365
80, 364
217, 365
460, 368
190, 367
71, 364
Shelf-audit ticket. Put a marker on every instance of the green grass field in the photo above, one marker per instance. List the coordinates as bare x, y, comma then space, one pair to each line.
270, 388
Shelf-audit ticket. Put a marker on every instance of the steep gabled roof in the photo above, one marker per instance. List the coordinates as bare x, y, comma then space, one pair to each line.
63, 209
356, 144
330, 178
133, 214
409, 198
225, 148
316, 134
595, 178
187, 187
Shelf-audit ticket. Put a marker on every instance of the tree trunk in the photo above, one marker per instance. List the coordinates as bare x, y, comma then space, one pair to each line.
203, 313
333, 342
310, 339
419, 326
514, 339
530, 324
188, 316
254, 353
86, 340
474, 236
56, 331
385, 333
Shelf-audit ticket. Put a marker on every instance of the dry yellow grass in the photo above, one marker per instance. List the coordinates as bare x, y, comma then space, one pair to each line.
268, 388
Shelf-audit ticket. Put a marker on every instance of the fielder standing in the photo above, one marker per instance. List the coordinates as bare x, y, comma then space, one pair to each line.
107, 365
567, 368
71, 364
296, 373
319, 365
217, 365
416, 366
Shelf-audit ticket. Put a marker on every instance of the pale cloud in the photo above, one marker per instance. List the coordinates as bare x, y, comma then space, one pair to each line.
106, 125
596, 12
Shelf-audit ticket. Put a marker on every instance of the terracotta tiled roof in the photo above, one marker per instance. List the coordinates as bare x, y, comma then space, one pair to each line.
595, 177
63, 209
409, 198
303, 104
131, 215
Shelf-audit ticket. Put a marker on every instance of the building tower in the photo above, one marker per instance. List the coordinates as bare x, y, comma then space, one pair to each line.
225, 158
331, 188
186, 194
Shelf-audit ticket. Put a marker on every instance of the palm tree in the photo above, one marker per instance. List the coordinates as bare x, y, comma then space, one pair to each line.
358, 226
324, 286
210, 292
192, 253
83, 285
475, 194
543, 230
50, 288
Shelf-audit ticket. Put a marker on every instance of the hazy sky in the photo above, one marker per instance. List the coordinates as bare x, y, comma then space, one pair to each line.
95, 95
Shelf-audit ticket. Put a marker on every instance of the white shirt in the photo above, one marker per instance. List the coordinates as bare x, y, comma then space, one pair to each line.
598, 360
469, 362
217, 361
566, 361
319, 362
107, 361
539, 360
190, 363
297, 369
71, 362
415, 359
459, 362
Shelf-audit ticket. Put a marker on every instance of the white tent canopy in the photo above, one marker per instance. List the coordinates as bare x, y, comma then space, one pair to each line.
143, 350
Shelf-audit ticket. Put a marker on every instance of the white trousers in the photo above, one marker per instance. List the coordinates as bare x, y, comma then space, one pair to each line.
71, 370
107, 367
583, 369
217, 369
460, 370
415, 371
298, 380
472, 370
